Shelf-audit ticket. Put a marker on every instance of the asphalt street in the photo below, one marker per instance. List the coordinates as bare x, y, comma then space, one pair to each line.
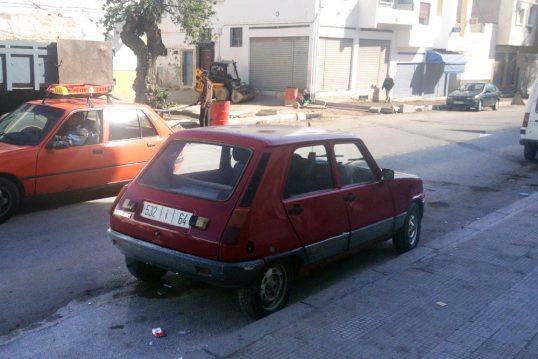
53, 257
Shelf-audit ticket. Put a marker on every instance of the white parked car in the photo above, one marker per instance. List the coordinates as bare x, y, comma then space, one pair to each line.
529, 128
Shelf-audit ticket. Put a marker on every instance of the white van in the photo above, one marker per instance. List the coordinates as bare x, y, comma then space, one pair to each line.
529, 128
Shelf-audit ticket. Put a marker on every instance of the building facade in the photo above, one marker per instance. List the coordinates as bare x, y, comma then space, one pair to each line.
350, 46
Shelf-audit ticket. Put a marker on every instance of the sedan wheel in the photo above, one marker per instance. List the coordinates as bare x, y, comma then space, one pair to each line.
9, 199
269, 293
407, 237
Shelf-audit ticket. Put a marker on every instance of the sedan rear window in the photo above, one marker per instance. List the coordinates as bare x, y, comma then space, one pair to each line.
196, 169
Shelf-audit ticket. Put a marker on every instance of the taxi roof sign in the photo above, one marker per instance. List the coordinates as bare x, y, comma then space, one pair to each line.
78, 89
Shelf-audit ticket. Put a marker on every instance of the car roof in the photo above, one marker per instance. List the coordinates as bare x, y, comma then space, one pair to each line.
73, 103
268, 135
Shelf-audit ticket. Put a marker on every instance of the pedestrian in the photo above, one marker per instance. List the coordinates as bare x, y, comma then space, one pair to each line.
388, 84
206, 96
303, 99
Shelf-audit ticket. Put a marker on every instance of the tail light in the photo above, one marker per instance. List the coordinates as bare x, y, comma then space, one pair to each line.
118, 197
526, 120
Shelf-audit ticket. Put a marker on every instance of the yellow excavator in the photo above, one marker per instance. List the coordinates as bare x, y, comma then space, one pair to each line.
226, 85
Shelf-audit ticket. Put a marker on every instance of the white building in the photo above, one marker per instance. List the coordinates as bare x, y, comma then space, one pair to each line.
350, 46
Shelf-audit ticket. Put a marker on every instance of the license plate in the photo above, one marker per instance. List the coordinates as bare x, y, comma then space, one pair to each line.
458, 102
164, 214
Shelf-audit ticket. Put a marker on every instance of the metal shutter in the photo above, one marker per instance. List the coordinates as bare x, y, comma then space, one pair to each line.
276, 63
408, 80
373, 62
334, 64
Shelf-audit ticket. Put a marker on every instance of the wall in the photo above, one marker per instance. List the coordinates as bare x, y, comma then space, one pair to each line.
277, 18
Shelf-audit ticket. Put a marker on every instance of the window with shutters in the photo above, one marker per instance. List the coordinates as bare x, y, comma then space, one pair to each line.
236, 37
424, 15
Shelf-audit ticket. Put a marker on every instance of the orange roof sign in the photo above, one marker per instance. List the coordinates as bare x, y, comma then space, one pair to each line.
78, 89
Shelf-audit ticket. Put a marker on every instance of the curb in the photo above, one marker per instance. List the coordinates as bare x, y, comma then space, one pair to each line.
229, 344
299, 116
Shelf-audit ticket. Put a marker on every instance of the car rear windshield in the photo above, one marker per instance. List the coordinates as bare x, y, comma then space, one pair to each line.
28, 124
204, 170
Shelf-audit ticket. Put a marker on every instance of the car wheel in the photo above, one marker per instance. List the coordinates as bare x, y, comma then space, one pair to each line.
449, 108
407, 237
269, 292
479, 106
143, 271
529, 151
495, 107
10, 198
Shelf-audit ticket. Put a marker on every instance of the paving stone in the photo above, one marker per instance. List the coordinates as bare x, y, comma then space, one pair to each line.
493, 349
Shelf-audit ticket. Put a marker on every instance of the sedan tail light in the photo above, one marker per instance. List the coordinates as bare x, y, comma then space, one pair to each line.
526, 120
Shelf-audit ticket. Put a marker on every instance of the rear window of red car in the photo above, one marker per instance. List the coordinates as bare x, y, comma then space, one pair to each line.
197, 169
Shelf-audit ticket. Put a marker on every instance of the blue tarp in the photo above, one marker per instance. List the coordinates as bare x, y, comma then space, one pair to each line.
454, 63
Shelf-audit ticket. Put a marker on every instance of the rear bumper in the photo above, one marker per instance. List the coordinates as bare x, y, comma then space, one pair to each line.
233, 275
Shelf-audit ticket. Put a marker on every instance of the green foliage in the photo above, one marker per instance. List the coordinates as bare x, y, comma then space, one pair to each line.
193, 16
160, 99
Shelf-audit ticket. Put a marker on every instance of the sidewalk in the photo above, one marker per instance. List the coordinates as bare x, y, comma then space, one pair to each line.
470, 294
270, 109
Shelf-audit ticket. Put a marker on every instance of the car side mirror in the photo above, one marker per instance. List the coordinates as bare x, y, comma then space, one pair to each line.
387, 175
57, 144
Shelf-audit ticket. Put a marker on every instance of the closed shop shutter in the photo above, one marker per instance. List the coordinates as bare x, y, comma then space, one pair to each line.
276, 63
408, 80
334, 64
374, 56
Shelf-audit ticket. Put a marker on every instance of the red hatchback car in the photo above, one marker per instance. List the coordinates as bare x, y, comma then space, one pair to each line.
247, 206
73, 140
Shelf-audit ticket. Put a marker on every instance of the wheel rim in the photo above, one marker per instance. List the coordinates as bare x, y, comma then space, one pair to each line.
412, 229
273, 288
5, 201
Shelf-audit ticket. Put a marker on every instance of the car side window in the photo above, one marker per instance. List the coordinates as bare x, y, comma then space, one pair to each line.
82, 128
352, 166
309, 171
145, 125
123, 123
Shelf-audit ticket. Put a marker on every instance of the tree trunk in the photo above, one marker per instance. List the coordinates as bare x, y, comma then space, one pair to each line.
145, 84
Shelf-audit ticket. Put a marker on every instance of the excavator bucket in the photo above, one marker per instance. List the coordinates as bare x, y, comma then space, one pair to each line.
242, 94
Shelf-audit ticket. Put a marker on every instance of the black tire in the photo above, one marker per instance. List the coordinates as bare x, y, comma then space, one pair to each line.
269, 292
143, 271
449, 108
479, 106
529, 151
495, 107
10, 198
407, 237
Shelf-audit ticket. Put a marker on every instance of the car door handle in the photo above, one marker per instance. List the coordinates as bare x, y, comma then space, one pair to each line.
97, 151
151, 144
350, 197
297, 209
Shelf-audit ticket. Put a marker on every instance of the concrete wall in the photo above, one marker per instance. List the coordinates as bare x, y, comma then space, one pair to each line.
278, 18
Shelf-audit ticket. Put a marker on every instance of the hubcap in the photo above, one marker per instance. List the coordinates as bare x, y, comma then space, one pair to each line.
272, 288
412, 229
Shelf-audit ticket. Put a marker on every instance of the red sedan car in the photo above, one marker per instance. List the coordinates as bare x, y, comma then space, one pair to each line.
247, 206
73, 140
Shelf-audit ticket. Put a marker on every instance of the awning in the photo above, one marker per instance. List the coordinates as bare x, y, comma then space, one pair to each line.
454, 63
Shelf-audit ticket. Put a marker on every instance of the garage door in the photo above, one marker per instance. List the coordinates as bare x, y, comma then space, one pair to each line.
334, 64
374, 58
408, 80
276, 63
